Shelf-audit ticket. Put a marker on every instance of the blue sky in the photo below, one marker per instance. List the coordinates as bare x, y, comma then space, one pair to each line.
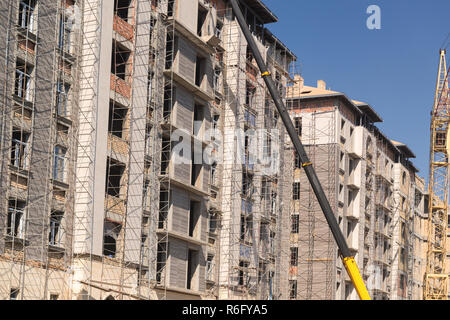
393, 69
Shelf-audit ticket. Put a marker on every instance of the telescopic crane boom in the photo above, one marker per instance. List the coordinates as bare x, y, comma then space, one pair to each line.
347, 258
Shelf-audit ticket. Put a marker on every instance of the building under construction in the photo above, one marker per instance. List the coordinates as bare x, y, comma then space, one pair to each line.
375, 192
109, 109
143, 158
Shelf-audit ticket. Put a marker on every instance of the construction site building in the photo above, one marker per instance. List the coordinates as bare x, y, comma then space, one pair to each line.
373, 188
107, 111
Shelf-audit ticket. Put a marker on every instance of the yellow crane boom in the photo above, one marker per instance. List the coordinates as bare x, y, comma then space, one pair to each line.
436, 276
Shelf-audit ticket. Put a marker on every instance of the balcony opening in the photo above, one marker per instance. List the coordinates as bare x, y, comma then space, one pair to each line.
110, 238
27, 14
169, 101
296, 191
191, 268
243, 273
62, 99
161, 260
210, 268
292, 289
213, 174
170, 50
64, 38
59, 164
199, 117
120, 61
20, 149
247, 185
250, 92
295, 223
22, 84
194, 217
163, 209
122, 9
294, 257
55, 234
117, 119
201, 18
196, 170
170, 8
200, 66
15, 221
114, 175
13, 293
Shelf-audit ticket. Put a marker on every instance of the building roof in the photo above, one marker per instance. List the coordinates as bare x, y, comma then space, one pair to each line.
261, 10
404, 149
369, 111
314, 93
280, 45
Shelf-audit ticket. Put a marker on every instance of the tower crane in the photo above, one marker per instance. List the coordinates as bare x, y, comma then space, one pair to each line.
436, 276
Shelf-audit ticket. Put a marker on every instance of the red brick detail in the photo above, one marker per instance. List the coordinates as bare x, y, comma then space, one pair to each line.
123, 28
120, 86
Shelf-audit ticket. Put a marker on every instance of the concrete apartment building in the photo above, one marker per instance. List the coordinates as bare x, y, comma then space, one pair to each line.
98, 200
374, 189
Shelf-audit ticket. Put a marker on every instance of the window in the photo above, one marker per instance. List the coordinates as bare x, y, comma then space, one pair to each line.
120, 60
217, 73
404, 178
295, 219
199, 71
114, 173
19, 149
247, 185
201, 18
13, 294
54, 296
110, 237
117, 119
243, 273
22, 85
213, 173
250, 94
62, 98
298, 126
194, 217
191, 268
121, 8
210, 268
199, 117
55, 236
26, 14
59, 164
294, 257
292, 289
161, 258
64, 39
196, 170
246, 229
298, 163
15, 225
219, 27
348, 291
213, 220
170, 8
296, 191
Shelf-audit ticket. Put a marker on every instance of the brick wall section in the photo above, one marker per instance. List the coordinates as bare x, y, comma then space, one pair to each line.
123, 28
120, 86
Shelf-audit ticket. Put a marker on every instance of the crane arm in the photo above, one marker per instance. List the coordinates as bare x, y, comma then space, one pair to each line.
347, 258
